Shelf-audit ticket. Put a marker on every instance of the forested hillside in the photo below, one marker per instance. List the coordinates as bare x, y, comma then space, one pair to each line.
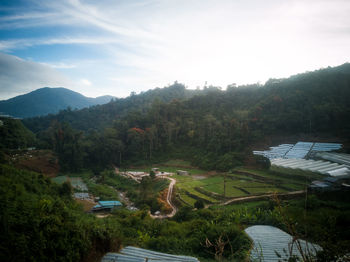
211, 126
14, 135
101, 116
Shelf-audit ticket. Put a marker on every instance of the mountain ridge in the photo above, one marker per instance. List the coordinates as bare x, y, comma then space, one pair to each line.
48, 100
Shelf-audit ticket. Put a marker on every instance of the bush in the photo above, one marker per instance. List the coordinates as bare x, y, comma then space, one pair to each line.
199, 204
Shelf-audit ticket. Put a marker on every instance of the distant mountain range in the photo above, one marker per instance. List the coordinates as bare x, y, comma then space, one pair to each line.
47, 100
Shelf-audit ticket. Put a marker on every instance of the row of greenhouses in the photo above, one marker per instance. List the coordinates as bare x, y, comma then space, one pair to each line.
317, 166
335, 157
299, 150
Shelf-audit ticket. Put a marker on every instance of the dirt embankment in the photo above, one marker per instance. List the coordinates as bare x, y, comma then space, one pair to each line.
41, 161
162, 199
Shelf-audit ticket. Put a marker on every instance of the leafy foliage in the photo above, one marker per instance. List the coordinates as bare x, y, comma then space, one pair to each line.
14, 135
39, 221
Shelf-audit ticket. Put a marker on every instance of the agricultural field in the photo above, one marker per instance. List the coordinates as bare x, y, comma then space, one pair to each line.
76, 182
170, 166
210, 187
81, 182
213, 188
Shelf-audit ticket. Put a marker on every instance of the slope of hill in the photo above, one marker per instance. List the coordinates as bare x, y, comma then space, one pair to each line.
47, 100
101, 116
316, 101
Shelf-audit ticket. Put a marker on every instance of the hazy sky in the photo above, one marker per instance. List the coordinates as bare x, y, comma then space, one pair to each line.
113, 47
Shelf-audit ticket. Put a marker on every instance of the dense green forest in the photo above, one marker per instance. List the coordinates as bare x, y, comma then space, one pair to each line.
14, 135
212, 127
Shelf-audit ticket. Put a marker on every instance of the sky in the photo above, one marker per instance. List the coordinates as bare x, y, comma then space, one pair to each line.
115, 47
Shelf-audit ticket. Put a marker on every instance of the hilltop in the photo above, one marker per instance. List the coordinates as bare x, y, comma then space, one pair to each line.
48, 100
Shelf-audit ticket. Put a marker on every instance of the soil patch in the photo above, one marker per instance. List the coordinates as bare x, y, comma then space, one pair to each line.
41, 161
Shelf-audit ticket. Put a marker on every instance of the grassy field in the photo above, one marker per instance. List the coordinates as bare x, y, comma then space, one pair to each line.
241, 182
169, 168
76, 182
207, 188
211, 187
81, 182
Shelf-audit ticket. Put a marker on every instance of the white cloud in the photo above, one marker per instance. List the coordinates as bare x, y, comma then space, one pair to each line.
59, 65
18, 76
152, 43
85, 82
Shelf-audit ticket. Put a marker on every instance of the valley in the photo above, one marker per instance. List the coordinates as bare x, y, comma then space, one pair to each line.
182, 172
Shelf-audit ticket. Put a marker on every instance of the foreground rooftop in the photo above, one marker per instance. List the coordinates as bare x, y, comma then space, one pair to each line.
135, 254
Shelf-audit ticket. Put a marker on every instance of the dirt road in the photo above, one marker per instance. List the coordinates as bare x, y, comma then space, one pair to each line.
168, 199
249, 198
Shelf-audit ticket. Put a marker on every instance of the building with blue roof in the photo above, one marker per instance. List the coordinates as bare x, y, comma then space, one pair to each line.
106, 205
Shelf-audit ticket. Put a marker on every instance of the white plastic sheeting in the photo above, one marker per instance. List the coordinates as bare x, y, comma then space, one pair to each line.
134, 254
322, 167
268, 240
335, 157
298, 151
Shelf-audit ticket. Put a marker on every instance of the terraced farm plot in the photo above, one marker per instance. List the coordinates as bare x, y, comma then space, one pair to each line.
209, 187
243, 182
212, 188
187, 186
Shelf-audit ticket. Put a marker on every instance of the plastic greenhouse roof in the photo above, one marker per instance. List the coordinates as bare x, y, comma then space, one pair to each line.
268, 240
134, 254
299, 150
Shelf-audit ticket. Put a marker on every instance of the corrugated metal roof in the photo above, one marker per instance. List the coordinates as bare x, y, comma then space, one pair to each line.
134, 254
110, 203
268, 240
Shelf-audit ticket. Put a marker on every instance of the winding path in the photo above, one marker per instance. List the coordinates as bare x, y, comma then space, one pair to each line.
249, 198
168, 199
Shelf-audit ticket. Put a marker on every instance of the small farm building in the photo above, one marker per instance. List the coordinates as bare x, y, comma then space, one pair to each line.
106, 205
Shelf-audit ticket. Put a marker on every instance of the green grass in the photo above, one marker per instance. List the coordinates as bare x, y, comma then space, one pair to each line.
170, 169
240, 205
60, 179
177, 162
189, 200
76, 182
237, 185
284, 174
295, 180
103, 191
230, 191
98, 190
